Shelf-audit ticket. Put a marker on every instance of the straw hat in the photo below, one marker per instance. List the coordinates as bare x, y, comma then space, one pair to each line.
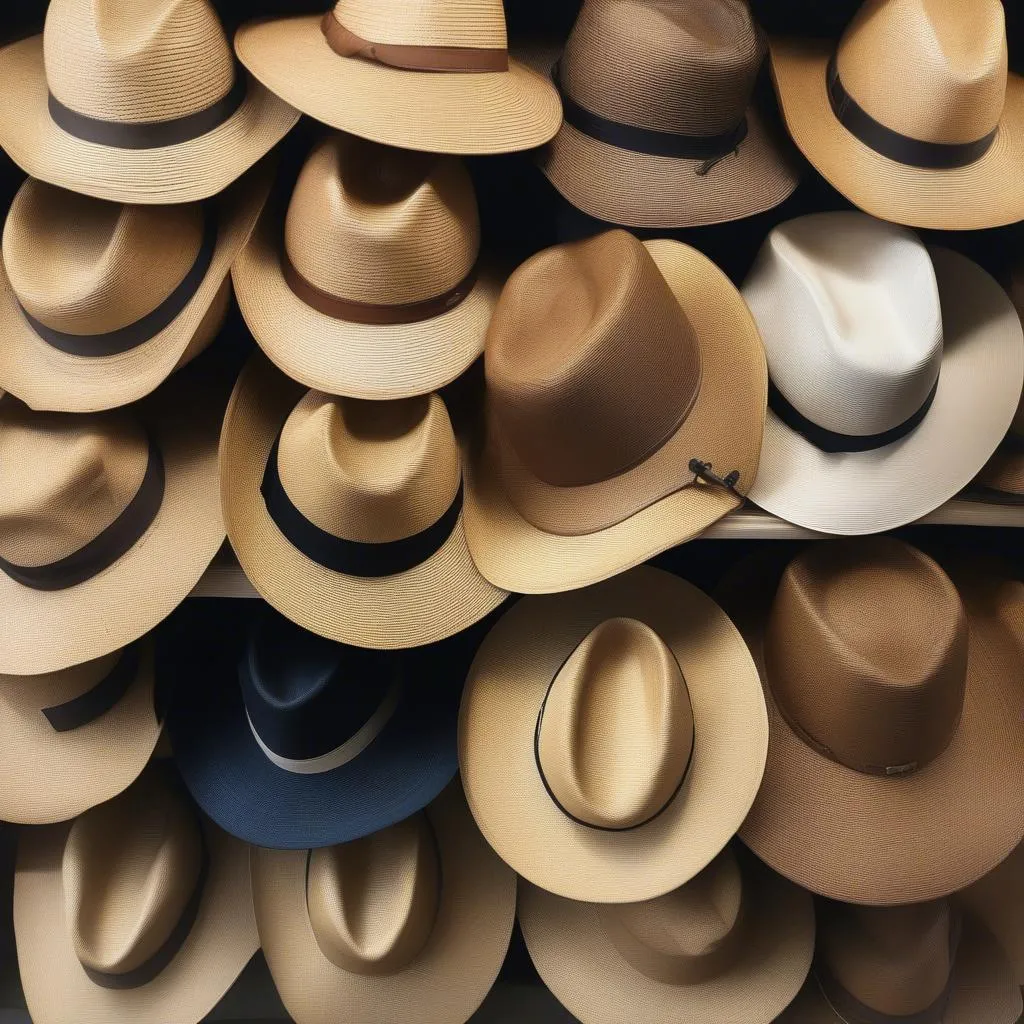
616, 372
374, 290
139, 911
732, 944
433, 76
871, 795
101, 302
659, 128
923, 963
895, 372
912, 115
612, 740
136, 101
347, 515
410, 924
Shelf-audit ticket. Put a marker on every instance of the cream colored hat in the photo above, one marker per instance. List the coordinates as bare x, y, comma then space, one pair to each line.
626, 393
135, 101
407, 925
895, 371
140, 911
433, 76
913, 115
374, 290
612, 739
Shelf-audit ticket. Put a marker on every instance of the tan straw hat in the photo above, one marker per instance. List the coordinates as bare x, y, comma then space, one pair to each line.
347, 515
434, 76
136, 101
612, 739
659, 127
373, 291
138, 912
626, 392
892, 706
913, 115
410, 924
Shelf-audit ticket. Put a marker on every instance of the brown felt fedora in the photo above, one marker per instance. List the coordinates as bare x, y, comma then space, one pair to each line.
626, 394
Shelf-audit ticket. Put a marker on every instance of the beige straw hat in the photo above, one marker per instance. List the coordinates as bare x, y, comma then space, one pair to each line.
347, 515
138, 912
626, 392
612, 739
912, 116
136, 101
408, 925
659, 129
895, 371
373, 291
434, 76
871, 791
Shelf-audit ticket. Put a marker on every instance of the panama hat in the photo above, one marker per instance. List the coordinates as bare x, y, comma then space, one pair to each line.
371, 289
895, 371
612, 739
626, 390
409, 924
659, 128
913, 116
139, 911
870, 795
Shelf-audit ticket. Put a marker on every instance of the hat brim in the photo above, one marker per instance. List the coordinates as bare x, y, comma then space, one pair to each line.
436, 112
977, 396
182, 173
506, 686
1001, 481
449, 978
725, 424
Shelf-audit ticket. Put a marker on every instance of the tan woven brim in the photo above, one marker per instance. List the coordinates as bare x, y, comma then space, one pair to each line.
985, 194
978, 392
449, 978
724, 428
437, 112
357, 360
438, 598
1003, 478
498, 718
222, 941
184, 173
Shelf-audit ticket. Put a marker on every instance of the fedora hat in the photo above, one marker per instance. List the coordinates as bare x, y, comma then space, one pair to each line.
408, 924
372, 289
927, 964
435, 76
612, 739
659, 128
135, 102
894, 372
871, 795
139, 911
346, 515
100, 302
732, 944
913, 115
626, 390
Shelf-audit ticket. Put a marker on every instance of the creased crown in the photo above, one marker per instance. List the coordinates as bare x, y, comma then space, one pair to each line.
473, 23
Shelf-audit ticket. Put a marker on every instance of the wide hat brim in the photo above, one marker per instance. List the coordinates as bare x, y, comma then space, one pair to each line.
182, 173
977, 396
1001, 481
449, 978
506, 687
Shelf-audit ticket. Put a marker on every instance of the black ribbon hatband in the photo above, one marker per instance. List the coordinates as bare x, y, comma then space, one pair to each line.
98, 700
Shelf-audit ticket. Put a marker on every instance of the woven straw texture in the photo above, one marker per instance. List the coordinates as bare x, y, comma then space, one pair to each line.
473, 23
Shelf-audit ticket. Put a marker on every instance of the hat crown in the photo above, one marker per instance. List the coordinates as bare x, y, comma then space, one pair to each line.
616, 729
368, 223
928, 69
883, 628
373, 902
86, 266
590, 361
136, 60
52, 689
473, 23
